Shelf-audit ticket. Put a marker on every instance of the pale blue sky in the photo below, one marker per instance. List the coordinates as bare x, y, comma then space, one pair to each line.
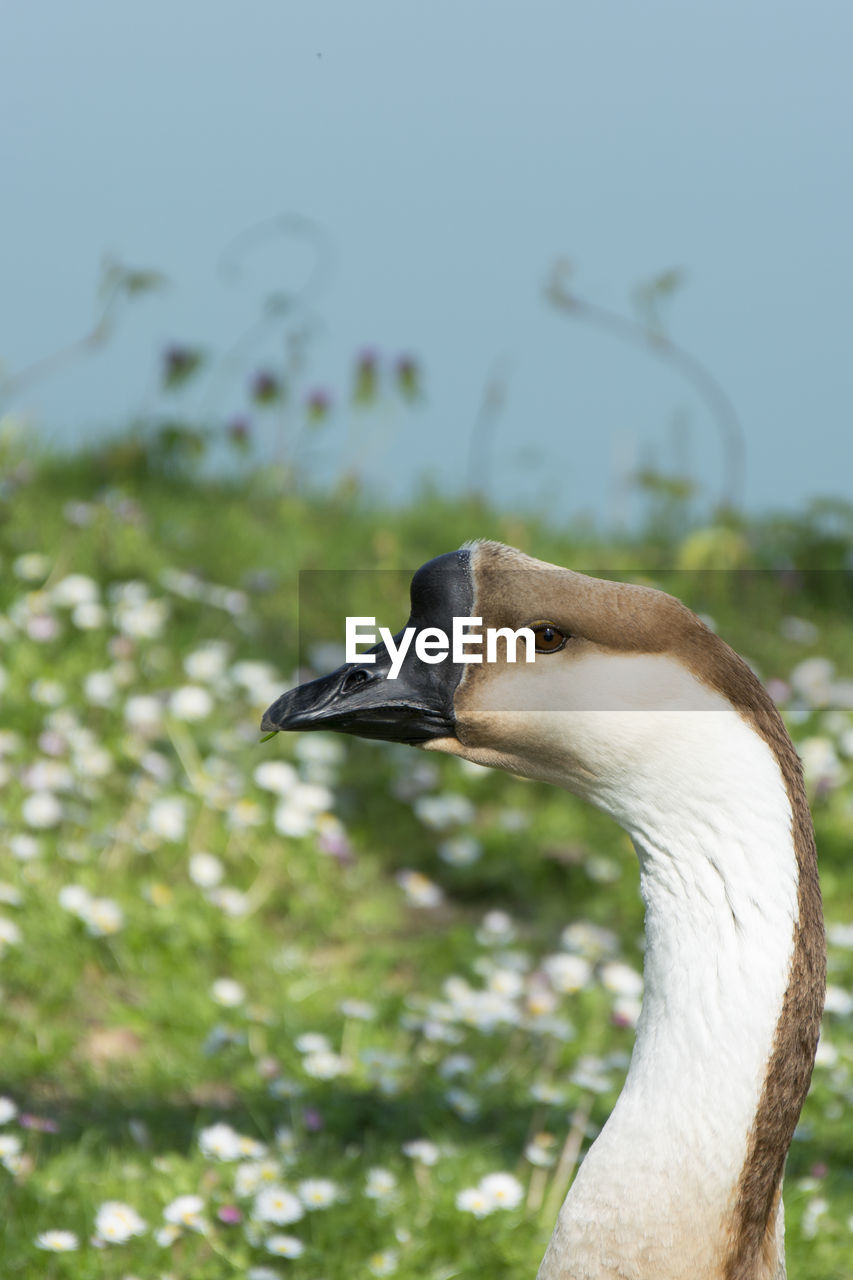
453, 151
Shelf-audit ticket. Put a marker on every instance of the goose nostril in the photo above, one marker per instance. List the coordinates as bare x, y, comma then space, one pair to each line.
355, 679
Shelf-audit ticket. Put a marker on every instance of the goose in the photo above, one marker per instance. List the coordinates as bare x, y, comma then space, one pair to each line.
632, 703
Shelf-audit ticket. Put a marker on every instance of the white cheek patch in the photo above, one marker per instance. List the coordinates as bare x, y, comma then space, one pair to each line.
595, 682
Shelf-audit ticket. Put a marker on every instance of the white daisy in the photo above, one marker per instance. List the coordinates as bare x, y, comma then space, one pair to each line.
116, 1222
383, 1263
206, 870
567, 973
41, 810
74, 588
207, 663
102, 917
228, 993
167, 818
317, 1193
144, 713
419, 890
185, 1211
460, 851
55, 1241
276, 1204
191, 702
89, 615
231, 901
24, 847
504, 1191
325, 1065
284, 1246
10, 934
220, 1141
32, 566
474, 1200
99, 688
254, 1174
381, 1183
276, 776
422, 1150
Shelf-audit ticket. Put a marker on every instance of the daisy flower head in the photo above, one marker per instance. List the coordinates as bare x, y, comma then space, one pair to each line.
48, 693
10, 1152
312, 1042
139, 617
383, 1263
167, 818
89, 615
497, 929
381, 1183
621, 979
324, 1065
567, 973
422, 1150
10, 934
31, 566
419, 890
102, 917
360, 1010
275, 1204
56, 1241
475, 1200
185, 1211
231, 902
251, 1175
504, 1190
541, 1151
220, 1141
8, 1110
228, 993
191, 702
276, 776
99, 688
206, 870
207, 663
41, 810
318, 1193
74, 589
284, 1246
116, 1222
443, 811
24, 847
460, 851
144, 713
297, 813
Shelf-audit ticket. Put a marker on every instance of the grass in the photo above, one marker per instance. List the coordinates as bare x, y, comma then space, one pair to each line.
410, 945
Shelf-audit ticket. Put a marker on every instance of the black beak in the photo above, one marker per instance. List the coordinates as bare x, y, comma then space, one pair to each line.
360, 698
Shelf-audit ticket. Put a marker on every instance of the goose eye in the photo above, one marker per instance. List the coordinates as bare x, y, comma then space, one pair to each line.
549, 639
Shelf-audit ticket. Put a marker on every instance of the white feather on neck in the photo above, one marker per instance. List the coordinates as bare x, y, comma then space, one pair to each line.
703, 798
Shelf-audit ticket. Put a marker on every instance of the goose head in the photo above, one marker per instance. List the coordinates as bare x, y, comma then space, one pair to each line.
559, 704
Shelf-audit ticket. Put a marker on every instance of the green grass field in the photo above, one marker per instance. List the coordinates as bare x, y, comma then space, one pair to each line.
278, 1009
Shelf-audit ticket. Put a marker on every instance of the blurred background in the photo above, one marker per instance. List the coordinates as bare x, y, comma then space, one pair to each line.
288, 291
267, 219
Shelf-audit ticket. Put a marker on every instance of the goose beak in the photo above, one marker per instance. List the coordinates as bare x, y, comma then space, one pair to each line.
362, 698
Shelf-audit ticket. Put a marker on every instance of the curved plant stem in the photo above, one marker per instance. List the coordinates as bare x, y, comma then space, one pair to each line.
706, 386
